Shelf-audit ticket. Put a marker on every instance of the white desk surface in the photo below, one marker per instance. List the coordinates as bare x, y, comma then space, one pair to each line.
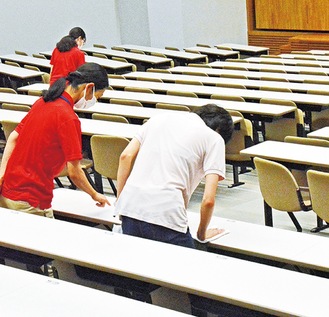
28, 294
212, 51
244, 238
258, 66
288, 61
19, 72
300, 56
244, 48
88, 126
132, 56
237, 282
290, 152
319, 52
169, 53
30, 60
248, 83
17, 98
266, 110
322, 133
252, 94
244, 107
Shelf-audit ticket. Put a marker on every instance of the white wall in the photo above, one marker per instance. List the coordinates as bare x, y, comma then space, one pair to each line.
37, 25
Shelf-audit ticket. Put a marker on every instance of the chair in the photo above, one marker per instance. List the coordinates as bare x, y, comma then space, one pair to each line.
116, 76
274, 79
12, 106
230, 98
39, 56
199, 65
168, 106
106, 151
117, 48
236, 60
280, 191
139, 89
158, 54
235, 68
119, 59
195, 74
99, 45
109, 117
171, 48
188, 82
158, 70
300, 175
99, 55
308, 65
278, 129
269, 56
271, 62
12, 63
318, 186
301, 52
277, 89
307, 72
137, 51
45, 76
126, 102
8, 90
226, 85
157, 80
182, 93
265, 70
320, 119
233, 76
304, 58
203, 45
316, 81
21, 53
242, 138
32, 92
8, 127
224, 48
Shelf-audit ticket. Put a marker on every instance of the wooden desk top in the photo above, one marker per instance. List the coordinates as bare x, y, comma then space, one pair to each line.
215, 72
169, 53
257, 66
237, 277
59, 298
291, 153
19, 72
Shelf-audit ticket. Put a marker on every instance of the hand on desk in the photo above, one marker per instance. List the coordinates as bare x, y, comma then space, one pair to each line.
212, 234
101, 200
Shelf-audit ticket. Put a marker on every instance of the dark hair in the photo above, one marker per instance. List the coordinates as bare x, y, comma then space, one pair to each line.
66, 43
76, 32
87, 73
217, 119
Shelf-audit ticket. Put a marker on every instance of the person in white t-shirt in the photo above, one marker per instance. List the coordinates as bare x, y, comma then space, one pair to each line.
162, 166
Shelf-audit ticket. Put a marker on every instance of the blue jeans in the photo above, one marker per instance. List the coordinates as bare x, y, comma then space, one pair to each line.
151, 231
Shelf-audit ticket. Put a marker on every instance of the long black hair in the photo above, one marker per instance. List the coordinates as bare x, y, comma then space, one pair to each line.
66, 43
217, 119
87, 73
76, 32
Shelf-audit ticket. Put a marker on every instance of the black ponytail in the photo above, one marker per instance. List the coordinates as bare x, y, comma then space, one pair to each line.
87, 73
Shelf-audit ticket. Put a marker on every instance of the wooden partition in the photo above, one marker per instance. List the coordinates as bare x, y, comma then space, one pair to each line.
285, 25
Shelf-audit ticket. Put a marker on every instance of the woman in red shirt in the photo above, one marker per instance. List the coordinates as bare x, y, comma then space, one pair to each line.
67, 56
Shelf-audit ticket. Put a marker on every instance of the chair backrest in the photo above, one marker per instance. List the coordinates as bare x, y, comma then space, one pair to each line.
45, 76
226, 85
99, 45
182, 93
117, 48
277, 184
318, 185
139, 89
100, 55
12, 63
172, 48
8, 90
106, 151
203, 45
12, 106
231, 98
157, 80
307, 141
21, 53
160, 105
158, 70
39, 56
126, 102
8, 127
109, 117
188, 82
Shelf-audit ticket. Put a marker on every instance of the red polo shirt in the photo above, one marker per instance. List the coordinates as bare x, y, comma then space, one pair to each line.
49, 136
65, 62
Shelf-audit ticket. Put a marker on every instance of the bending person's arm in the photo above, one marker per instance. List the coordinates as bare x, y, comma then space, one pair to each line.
126, 163
79, 178
10, 145
207, 207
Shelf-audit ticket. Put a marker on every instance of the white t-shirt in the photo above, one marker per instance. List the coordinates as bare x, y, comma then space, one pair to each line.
176, 152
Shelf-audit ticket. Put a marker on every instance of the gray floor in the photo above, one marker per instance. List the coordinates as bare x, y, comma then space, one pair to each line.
242, 203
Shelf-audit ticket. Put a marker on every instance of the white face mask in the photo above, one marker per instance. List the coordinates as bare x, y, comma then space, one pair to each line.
85, 104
